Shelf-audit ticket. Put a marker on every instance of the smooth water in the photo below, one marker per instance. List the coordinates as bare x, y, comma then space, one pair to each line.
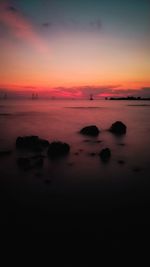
79, 190
62, 120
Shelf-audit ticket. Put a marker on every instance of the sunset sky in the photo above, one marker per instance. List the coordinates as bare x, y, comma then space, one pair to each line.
71, 47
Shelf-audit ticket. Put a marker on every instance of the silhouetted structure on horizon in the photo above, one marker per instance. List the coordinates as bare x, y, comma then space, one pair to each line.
91, 97
35, 96
128, 98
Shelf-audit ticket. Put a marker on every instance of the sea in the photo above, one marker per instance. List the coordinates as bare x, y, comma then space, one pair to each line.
78, 195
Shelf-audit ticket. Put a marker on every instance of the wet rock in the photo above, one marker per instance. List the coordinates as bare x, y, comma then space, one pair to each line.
105, 154
92, 141
44, 143
4, 153
91, 130
31, 143
58, 149
118, 128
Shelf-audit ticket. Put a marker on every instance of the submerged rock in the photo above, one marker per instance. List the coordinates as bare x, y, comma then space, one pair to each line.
91, 130
31, 143
118, 128
58, 149
105, 154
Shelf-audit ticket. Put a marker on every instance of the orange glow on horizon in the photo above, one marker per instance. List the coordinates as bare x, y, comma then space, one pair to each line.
41, 88
71, 59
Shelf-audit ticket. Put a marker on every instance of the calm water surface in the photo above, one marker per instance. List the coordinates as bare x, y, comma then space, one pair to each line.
80, 190
61, 120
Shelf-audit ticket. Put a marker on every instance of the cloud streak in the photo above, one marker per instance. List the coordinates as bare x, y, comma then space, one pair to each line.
20, 27
74, 24
47, 24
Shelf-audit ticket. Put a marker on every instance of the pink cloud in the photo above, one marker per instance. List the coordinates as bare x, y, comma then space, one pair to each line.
20, 26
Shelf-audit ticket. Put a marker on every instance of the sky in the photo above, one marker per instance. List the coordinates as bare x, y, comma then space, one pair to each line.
72, 48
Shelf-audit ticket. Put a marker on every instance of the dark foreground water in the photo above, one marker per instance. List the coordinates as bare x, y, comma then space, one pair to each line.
78, 200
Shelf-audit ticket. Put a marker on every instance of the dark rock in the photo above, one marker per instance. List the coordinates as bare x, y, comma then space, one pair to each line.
58, 149
118, 128
27, 142
91, 130
93, 141
105, 154
31, 143
44, 142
